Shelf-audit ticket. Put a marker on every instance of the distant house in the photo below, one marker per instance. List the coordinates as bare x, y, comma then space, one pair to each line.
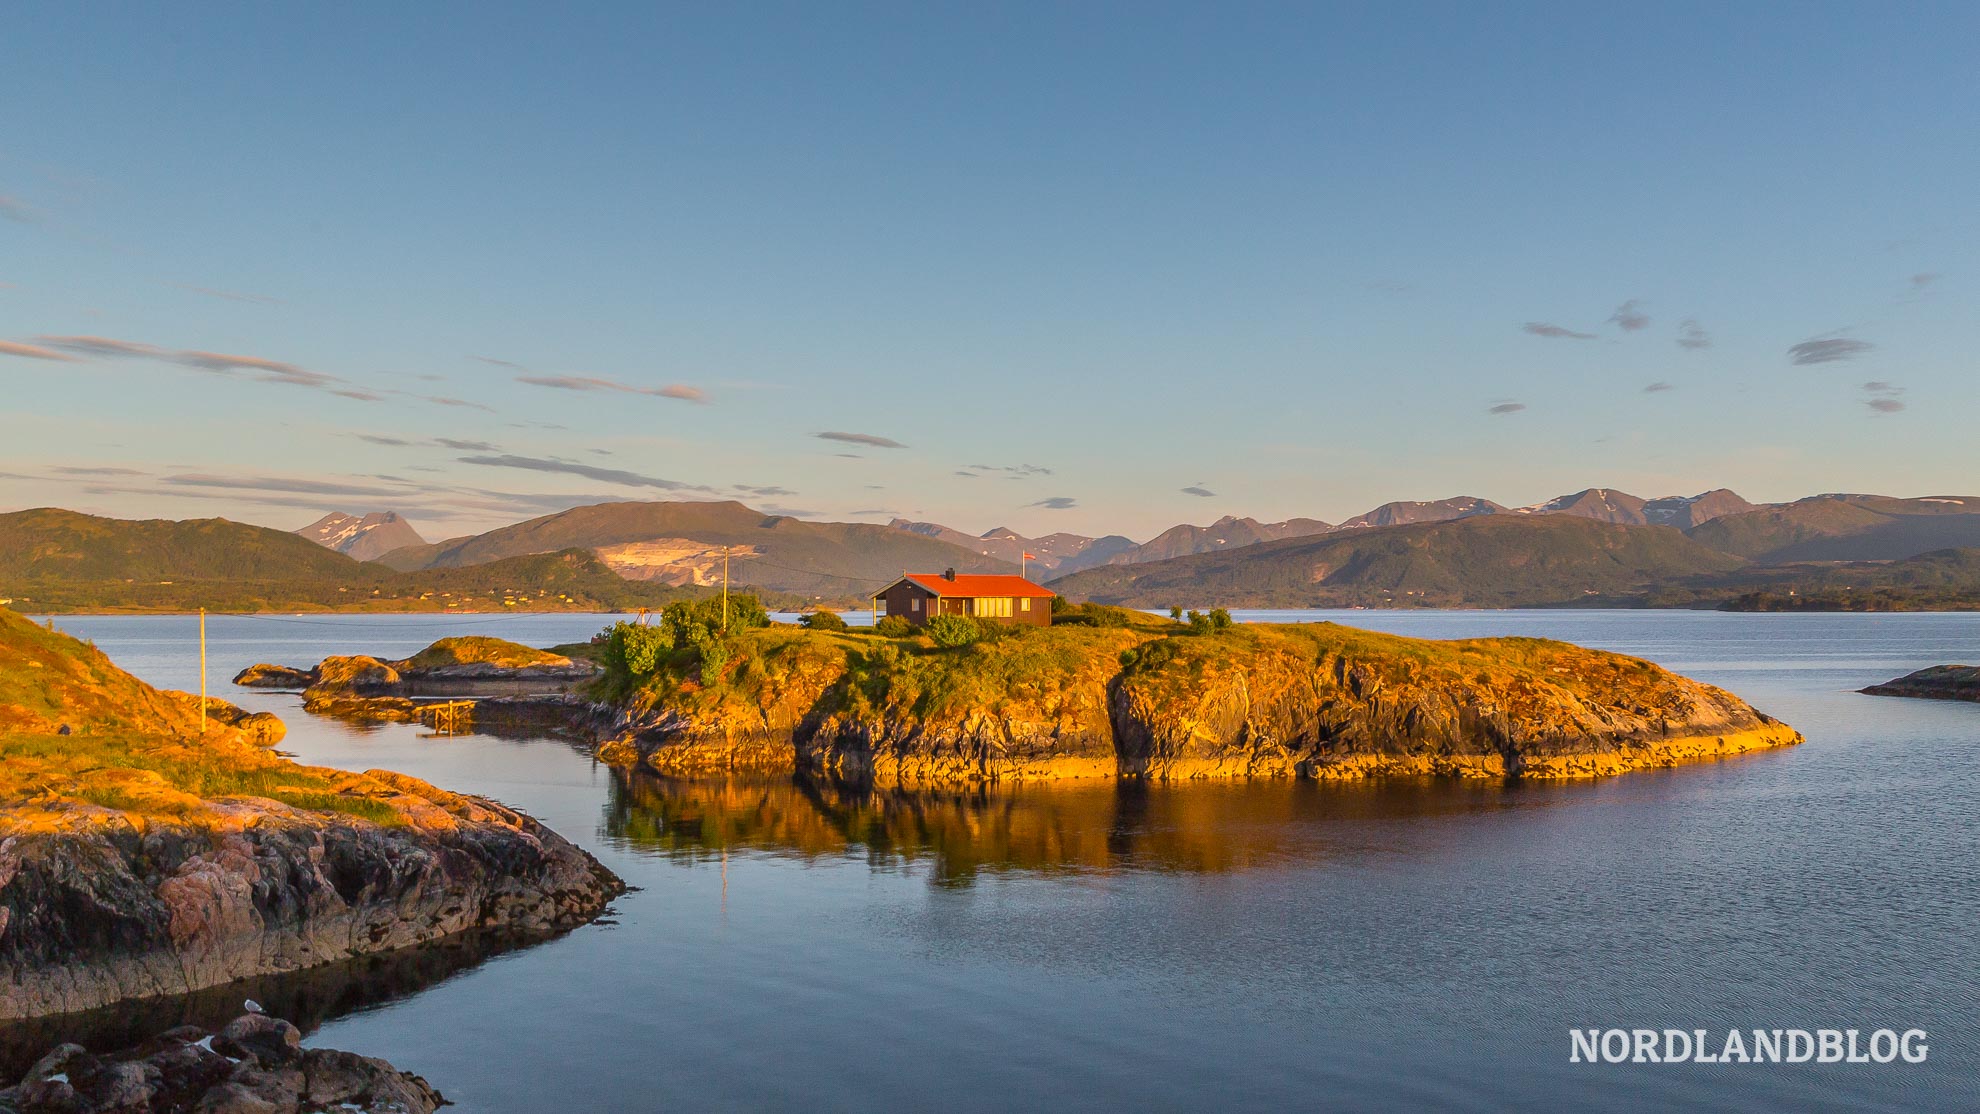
920, 596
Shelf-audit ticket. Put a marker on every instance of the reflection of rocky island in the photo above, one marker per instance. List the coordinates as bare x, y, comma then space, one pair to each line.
1124, 694
1940, 682
365, 689
138, 858
1036, 827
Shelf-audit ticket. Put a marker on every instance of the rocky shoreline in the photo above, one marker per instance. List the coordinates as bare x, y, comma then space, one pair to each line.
255, 1064
1939, 682
148, 851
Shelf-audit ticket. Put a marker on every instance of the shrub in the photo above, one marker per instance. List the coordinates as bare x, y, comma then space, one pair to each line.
1219, 619
893, 626
953, 630
1175, 612
822, 619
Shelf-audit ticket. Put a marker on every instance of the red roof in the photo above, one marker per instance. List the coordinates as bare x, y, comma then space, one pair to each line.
979, 584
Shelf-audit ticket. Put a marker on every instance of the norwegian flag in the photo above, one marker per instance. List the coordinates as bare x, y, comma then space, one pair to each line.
1031, 556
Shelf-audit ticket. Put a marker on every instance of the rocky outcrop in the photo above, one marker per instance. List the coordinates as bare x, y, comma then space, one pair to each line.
96, 907
1310, 700
266, 676
256, 1064
1335, 703
1940, 682
362, 688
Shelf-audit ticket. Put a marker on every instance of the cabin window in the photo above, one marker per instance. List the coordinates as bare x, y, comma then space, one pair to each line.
993, 607
1024, 604
915, 605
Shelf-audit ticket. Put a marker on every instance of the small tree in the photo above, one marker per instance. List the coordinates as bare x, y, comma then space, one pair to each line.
953, 630
1175, 612
1220, 619
822, 619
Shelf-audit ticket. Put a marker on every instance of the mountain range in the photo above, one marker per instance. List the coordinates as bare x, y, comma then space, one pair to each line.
1598, 545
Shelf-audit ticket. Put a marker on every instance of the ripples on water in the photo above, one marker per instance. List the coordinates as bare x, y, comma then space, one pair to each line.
1268, 945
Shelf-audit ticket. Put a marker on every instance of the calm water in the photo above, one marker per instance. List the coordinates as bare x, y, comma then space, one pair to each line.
1258, 946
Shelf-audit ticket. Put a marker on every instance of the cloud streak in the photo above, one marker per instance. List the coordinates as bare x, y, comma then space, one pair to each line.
1692, 335
1561, 332
32, 352
1833, 350
867, 439
1056, 503
571, 468
593, 383
1659, 387
1628, 318
14, 209
1502, 408
1883, 397
1199, 491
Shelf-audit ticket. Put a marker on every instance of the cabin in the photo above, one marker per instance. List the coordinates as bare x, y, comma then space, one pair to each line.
920, 596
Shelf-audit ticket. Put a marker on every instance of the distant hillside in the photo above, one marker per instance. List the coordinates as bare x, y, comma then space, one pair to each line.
1487, 560
1599, 503
60, 561
1060, 551
1227, 532
1436, 510
682, 543
1686, 512
367, 538
1846, 528
52, 544
1945, 580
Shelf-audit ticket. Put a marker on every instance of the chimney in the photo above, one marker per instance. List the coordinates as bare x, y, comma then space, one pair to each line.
948, 574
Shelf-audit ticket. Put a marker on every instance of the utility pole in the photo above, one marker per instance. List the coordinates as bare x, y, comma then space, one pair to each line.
725, 589
202, 673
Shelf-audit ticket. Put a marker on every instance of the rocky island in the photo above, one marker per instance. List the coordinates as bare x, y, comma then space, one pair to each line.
140, 857
1940, 682
1105, 692
366, 689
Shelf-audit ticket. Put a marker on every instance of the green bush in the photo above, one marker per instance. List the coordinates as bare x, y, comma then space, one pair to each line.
893, 626
1219, 619
953, 630
822, 619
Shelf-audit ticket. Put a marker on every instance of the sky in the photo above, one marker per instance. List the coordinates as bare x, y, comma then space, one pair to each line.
1098, 267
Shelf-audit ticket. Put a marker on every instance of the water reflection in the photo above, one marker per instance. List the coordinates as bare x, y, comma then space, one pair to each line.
1035, 828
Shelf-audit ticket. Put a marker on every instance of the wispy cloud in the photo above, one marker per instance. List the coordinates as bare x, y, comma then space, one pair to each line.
1199, 491
762, 492
569, 468
1883, 396
14, 209
291, 485
1924, 279
1056, 503
1629, 318
32, 352
593, 383
105, 347
444, 400
1013, 471
860, 439
1833, 350
512, 366
1692, 335
1505, 408
465, 446
80, 471
1543, 329
1659, 387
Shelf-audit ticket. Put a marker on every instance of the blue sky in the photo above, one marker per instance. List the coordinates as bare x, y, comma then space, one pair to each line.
1072, 259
